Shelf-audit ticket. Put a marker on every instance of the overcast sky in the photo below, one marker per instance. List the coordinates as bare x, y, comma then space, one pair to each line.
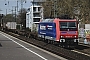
10, 4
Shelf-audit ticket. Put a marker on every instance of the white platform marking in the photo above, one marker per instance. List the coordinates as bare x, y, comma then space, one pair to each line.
26, 48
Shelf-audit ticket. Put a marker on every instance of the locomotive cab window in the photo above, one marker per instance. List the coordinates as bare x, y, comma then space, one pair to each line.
72, 24
68, 25
63, 25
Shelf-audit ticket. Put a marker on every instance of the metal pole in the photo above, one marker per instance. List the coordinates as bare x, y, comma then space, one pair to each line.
21, 6
12, 12
21, 11
0, 11
15, 13
6, 11
28, 20
17, 5
55, 8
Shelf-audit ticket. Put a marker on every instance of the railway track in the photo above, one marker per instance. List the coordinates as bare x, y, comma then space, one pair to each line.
82, 49
66, 53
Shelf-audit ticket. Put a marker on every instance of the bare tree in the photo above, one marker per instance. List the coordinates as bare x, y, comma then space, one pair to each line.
22, 17
74, 8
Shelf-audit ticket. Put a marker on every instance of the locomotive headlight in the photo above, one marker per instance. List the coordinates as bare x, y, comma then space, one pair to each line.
61, 36
75, 36
51, 37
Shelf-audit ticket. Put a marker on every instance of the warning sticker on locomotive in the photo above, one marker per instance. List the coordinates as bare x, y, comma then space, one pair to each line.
42, 27
49, 27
